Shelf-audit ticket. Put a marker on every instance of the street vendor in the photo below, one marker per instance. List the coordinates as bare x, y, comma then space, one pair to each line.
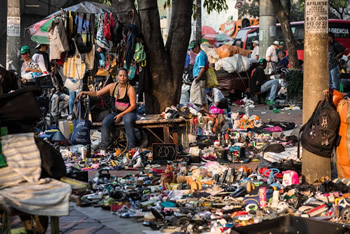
41, 57
217, 98
28, 65
124, 109
260, 83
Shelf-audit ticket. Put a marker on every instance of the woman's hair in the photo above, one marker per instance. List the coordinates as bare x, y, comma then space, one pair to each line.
122, 69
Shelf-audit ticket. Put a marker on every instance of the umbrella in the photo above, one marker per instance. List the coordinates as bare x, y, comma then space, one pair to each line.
208, 30
39, 30
217, 37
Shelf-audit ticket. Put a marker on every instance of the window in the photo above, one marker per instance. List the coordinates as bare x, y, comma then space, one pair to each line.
253, 36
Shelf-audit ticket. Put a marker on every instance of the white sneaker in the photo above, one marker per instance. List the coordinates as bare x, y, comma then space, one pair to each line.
138, 163
70, 117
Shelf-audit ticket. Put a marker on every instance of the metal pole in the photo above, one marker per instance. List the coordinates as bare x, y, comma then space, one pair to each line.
13, 34
315, 78
267, 26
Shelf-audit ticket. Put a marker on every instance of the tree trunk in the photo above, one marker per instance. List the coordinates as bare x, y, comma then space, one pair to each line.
165, 62
283, 18
199, 20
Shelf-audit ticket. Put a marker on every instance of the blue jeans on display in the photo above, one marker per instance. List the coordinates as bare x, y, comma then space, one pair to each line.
334, 79
129, 123
72, 96
271, 85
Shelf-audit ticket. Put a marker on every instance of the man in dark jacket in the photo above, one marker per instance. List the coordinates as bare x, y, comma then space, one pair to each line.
335, 52
259, 83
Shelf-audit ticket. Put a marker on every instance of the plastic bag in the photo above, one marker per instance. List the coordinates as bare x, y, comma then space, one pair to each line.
212, 80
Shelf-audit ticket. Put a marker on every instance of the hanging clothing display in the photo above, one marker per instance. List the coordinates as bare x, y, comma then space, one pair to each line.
58, 38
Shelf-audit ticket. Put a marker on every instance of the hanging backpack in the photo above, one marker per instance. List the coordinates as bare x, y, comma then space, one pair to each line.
319, 135
139, 54
108, 26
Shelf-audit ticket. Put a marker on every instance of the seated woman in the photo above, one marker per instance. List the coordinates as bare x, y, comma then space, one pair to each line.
124, 108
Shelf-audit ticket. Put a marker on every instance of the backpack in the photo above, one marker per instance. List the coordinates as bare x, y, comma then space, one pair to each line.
139, 54
319, 135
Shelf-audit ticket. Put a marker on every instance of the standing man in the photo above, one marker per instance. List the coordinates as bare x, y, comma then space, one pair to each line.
335, 52
41, 57
271, 56
255, 52
197, 93
28, 64
259, 83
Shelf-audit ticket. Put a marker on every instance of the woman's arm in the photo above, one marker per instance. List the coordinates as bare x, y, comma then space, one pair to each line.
108, 89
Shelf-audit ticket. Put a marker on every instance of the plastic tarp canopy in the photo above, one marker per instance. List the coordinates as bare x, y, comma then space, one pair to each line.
39, 30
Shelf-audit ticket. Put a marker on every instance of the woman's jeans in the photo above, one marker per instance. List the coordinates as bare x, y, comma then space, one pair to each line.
72, 96
129, 123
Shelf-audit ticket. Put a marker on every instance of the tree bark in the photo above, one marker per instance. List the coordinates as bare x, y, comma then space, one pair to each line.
124, 8
199, 20
283, 18
165, 62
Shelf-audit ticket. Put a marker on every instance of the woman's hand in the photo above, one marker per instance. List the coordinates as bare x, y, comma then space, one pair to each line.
79, 95
118, 118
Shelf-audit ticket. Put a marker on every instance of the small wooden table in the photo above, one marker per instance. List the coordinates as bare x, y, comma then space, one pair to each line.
157, 121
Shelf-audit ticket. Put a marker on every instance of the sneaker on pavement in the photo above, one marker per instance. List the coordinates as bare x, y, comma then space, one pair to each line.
269, 102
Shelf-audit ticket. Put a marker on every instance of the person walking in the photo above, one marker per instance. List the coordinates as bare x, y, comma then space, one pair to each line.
197, 93
271, 56
335, 52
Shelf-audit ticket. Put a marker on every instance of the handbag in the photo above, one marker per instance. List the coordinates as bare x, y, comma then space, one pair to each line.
74, 67
212, 80
83, 47
73, 84
108, 26
81, 126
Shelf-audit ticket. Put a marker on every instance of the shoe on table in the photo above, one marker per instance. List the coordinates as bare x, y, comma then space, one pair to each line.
269, 102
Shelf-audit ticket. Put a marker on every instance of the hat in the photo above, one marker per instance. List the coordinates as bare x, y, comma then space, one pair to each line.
262, 61
276, 43
25, 49
256, 42
193, 44
39, 45
207, 90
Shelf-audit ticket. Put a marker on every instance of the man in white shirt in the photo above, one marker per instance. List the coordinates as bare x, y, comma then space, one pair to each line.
217, 98
41, 57
255, 52
271, 56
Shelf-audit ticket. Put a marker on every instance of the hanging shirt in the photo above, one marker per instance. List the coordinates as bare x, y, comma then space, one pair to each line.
83, 25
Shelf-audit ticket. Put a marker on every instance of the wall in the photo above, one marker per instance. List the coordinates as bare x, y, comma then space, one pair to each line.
215, 19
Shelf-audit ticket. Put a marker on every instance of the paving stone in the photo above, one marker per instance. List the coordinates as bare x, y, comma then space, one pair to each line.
106, 230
